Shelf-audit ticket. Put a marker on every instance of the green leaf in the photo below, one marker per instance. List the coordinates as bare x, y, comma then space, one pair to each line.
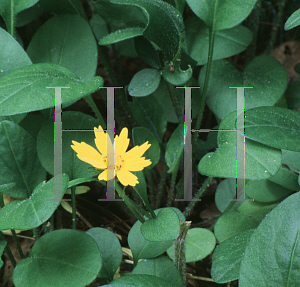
265, 74
165, 226
226, 190
272, 255
144, 280
140, 135
144, 82
199, 243
32, 124
178, 76
19, 161
273, 126
227, 257
3, 244
66, 40
175, 148
292, 95
63, 7
4, 187
149, 115
165, 26
110, 250
292, 159
12, 54
227, 42
142, 248
261, 162
161, 267
33, 80
219, 14
71, 164
286, 179
146, 52
264, 190
121, 35
32, 212
61, 258
293, 21
10, 8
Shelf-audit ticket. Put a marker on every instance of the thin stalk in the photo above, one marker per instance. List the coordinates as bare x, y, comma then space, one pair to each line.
161, 186
151, 184
198, 195
206, 82
13, 232
180, 190
278, 20
36, 233
179, 250
174, 99
8, 251
52, 222
89, 99
73, 201
129, 203
172, 187
11, 26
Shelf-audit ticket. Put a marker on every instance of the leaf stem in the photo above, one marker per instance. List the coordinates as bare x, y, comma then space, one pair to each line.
172, 187
8, 251
13, 232
89, 99
174, 99
73, 201
161, 187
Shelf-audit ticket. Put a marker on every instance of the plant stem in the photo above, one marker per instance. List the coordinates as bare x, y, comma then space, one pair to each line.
17, 243
198, 195
8, 251
73, 200
172, 187
206, 82
36, 233
129, 202
180, 190
161, 186
278, 20
150, 179
89, 99
179, 250
174, 99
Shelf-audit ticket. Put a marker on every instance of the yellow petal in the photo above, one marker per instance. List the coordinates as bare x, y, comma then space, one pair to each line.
88, 154
137, 151
101, 140
103, 176
122, 142
137, 164
127, 178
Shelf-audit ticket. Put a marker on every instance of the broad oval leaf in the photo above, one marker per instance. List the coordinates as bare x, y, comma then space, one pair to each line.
144, 82
199, 243
272, 255
274, 126
166, 226
66, 40
32, 212
19, 160
53, 259
33, 80
223, 14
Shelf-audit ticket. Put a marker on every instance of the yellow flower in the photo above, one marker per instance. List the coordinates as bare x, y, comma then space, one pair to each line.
124, 161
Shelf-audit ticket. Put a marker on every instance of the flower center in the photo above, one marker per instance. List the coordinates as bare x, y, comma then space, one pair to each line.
118, 162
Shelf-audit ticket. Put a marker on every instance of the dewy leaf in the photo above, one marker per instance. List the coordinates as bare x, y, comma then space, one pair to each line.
175, 147
121, 35
19, 161
62, 257
66, 40
274, 126
25, 89
265, 74
261, 161
12, 55
165, 226
10, 8
165, 26
222, 14
272, 255
293, 21
32, 212
144, 82
227, 42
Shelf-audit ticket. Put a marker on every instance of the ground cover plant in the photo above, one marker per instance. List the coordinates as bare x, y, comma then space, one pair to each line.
96, 96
